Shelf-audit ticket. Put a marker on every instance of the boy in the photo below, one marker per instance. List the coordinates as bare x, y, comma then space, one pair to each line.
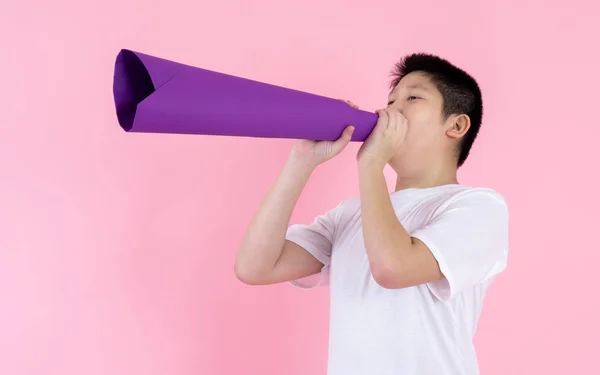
407, 271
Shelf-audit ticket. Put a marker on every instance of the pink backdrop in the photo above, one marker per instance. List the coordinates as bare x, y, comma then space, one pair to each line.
116, 250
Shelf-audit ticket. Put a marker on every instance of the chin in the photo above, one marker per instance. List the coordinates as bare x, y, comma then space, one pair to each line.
396, 163
395, 167
405, 165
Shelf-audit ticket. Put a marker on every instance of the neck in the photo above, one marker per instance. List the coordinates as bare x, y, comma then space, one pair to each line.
432, 177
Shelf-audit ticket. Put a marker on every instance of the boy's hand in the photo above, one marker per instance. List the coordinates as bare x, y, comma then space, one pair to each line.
314, 153
385, 139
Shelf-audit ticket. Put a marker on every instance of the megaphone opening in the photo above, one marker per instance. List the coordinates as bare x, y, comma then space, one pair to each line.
132, 84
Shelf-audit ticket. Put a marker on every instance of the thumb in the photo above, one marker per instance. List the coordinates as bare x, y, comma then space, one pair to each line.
343, 140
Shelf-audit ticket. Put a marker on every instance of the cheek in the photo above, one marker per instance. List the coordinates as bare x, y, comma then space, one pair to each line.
417, 119
418, 123
422, 131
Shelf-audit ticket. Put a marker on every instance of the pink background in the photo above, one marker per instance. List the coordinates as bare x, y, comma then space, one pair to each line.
116, 250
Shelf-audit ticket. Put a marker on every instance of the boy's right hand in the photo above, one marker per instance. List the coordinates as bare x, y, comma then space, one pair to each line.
317, 152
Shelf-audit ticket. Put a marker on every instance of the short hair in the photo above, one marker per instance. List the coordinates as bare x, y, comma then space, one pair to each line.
461, 93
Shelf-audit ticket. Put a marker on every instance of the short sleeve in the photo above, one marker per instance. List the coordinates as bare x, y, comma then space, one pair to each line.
468, 236
317, 238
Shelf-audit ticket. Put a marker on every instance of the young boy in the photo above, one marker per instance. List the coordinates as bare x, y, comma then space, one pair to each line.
407, 271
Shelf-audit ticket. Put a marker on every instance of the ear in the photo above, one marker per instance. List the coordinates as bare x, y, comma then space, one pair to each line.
458, 126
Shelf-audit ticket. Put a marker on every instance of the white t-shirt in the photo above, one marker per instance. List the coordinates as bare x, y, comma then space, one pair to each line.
425, 329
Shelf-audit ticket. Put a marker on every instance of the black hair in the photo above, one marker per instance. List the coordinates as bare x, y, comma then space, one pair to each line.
460, 91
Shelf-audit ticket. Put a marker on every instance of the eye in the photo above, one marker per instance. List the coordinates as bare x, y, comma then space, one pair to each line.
413, 97
390, 102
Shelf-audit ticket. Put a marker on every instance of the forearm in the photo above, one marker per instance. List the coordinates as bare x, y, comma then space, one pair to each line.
384, 236
265, 237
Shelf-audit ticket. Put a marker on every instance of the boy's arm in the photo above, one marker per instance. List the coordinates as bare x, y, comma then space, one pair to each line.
265, 256
464, 244
294, 263
396, 259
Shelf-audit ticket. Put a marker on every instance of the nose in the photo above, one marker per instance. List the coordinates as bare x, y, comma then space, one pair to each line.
395, 107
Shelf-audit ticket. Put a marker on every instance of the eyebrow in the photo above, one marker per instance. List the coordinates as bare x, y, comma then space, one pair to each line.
413, 86
418, 86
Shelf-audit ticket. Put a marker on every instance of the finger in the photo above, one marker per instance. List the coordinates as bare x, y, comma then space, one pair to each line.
401, 127
393, 119
339, 144
383, 120
350, 103
390, 119
402, 122
399, 121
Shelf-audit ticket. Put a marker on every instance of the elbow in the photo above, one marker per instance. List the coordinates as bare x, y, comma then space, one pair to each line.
242, 274
241, 268
250, 268
246, 278
387, 265
246, 275
384, 279
388, 276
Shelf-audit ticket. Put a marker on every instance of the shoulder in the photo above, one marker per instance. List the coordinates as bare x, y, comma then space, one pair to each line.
347, 212
468, 195
475, 204
348, 205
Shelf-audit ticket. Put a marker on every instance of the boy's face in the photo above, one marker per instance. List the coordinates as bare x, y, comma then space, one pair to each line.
419, 100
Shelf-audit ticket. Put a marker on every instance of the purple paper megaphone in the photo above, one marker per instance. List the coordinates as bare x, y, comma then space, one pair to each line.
154, 95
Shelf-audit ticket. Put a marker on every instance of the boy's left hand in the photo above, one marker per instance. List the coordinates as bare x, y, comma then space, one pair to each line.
385, 140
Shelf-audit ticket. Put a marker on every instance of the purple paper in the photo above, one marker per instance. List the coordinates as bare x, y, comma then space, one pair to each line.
154, 95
